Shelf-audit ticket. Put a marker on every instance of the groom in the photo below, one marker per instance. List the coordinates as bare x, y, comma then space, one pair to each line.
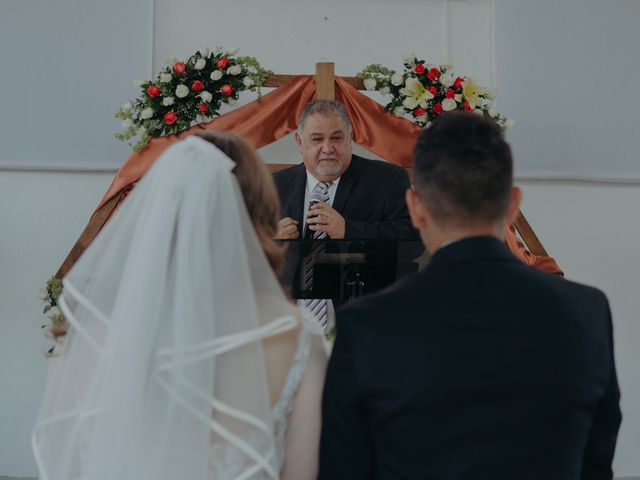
478, 367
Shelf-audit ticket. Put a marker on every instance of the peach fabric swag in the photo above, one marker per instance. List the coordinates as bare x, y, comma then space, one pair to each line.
275, 115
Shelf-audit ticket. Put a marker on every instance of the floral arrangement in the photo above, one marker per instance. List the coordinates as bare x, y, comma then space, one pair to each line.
57, 322
424, 91
188, 93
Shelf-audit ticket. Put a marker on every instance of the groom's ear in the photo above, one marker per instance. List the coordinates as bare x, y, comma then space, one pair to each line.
417, 210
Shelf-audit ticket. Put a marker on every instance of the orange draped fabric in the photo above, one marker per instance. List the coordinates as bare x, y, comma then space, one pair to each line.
276, 114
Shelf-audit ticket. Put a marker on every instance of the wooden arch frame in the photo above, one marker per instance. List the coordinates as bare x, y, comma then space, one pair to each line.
325, 89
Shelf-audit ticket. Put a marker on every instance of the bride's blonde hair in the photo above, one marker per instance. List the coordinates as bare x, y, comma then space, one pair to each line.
258, 190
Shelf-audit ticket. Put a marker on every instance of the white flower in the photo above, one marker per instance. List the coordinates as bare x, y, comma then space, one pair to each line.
449, 104
206, 96
248, 82
182, 91
399, 112
165, 77
492, 112
397, 80
446, 79
252, 69
53, 311
384, 91
409, 58
146, 114
370, 84
478, 111
416, 94
168, 101
204, 52
43, 294
231, 100
126, 107
200, 64
232, 52
142, 131
458, 97
234, 70
215, 75
509, 123
128, 123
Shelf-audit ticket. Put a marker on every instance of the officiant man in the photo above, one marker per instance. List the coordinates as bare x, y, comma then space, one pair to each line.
364, 199
335, 194
478, 366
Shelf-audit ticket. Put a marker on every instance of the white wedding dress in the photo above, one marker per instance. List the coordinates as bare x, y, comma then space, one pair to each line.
183, 359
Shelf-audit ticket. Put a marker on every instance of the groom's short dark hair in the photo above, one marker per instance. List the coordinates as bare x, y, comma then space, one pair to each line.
463, 169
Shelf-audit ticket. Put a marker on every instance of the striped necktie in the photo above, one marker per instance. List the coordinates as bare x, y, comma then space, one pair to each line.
317, 306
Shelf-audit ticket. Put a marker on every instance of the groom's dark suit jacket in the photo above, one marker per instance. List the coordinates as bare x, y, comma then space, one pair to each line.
478, 367
370, 196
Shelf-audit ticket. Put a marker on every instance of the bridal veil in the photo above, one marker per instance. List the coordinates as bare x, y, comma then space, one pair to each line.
162, 374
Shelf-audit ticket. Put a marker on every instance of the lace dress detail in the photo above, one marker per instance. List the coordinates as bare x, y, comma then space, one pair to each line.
229, 463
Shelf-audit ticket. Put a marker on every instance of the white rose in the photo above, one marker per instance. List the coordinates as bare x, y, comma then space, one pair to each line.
146, 114
200, 64
168, 101
409, 58
126, 107
128, 123
248, 82
399, 112
509, 123
206, 96
234, 70
232, 52
409, 103
370, 84
493, 112
447, 79
215, 75
165, 77
449, 104
204, 52
384, 91
182, 91
397, 80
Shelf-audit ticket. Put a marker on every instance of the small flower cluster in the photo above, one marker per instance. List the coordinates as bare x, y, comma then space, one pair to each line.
188, 93
49, 296
425, 91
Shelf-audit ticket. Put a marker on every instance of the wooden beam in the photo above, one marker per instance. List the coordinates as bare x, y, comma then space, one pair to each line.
274, 81
325, 81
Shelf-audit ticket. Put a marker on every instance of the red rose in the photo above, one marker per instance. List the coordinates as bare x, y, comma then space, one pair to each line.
458, 82
433, 91
433, 74
419, 111
179, 67
222, 63
227, 89
450, 93
153, 91
437, 108
419, 69
170, 118
203, 108
197, 86
467, 106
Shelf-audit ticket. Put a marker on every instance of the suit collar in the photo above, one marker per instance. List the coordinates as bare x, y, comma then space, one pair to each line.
471, 249
347, 181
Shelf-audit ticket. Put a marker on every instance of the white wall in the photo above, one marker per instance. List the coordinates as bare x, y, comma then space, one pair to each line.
590, 228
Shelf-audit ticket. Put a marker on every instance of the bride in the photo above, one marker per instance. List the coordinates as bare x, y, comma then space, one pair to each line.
183, 358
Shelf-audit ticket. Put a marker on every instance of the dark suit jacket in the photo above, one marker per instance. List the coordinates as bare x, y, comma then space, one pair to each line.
370, 196
478, 367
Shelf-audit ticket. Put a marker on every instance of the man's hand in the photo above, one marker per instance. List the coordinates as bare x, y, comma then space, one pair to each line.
287, 229
322, 218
